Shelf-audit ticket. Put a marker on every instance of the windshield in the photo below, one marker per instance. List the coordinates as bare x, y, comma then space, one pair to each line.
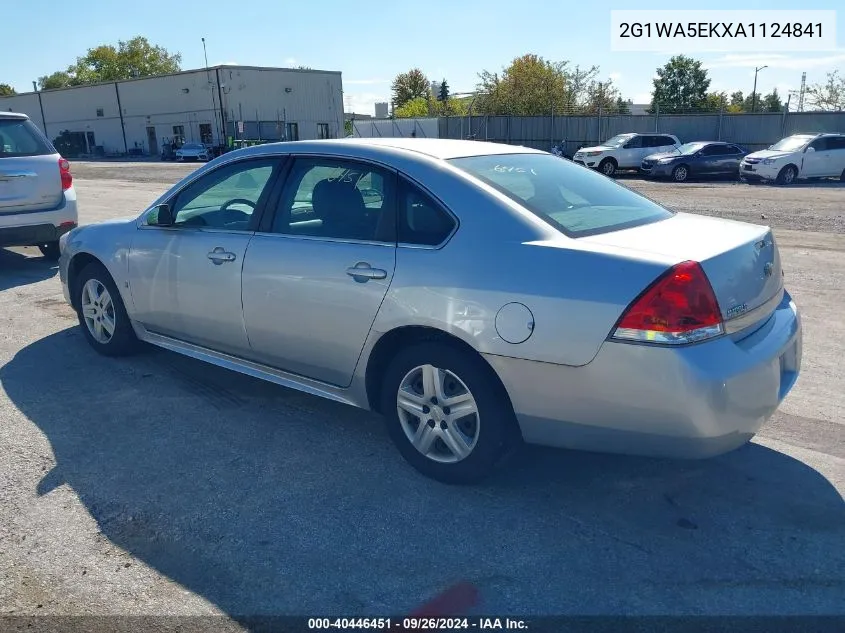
791, 143
616, 141
576, 201
689, 148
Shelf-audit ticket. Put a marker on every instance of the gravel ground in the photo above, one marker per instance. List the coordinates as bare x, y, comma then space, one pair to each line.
158, 485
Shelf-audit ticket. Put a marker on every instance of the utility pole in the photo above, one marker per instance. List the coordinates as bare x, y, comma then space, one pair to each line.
211, 90
754, 92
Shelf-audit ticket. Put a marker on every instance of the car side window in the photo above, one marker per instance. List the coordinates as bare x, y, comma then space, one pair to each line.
224, 198
710, 150
635, 143
836, 142
421, 221
732, 149
337, 199
663, 141
820, 144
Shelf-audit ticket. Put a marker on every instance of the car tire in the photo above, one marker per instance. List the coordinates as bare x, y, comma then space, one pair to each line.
451, 450
608, 167
680, 173
787, 175
50, 250
99, 304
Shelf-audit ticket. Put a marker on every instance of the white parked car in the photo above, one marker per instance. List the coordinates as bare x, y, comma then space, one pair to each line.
625, 151
37, 199
797, 156
193, 151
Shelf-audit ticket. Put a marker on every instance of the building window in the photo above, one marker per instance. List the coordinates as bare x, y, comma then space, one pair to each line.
292, 132
322, 130
205, 134
99, 112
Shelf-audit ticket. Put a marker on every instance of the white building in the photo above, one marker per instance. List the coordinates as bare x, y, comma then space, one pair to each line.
137, 116
382, 110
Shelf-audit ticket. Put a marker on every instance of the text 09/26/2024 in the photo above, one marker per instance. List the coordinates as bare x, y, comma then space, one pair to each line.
723, 31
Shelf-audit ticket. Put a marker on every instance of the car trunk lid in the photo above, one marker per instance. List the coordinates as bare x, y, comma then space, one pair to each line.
741, 261
29, 183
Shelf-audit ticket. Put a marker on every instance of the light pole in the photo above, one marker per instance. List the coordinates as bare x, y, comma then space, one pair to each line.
211, 90
754, 92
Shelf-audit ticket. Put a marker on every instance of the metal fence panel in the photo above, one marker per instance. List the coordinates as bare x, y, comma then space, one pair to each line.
754, 131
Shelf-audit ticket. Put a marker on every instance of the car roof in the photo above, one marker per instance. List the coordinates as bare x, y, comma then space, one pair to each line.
443, 149
13, 115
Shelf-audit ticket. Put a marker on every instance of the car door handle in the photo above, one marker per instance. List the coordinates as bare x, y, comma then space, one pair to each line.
219, 255
363, 272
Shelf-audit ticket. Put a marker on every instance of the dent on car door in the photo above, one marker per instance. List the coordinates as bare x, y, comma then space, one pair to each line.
316, 272
185, 277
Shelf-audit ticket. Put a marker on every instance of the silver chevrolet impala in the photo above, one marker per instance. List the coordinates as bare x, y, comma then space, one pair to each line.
476, 295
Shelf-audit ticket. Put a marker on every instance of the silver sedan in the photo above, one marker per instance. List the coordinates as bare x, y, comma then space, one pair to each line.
477, 295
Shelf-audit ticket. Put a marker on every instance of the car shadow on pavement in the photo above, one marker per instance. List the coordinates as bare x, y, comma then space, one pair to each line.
265, 501
21, 269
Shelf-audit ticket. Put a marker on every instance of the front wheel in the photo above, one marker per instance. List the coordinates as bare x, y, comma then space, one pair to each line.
787, 175
680, 173
607, 167
50, 250
447, 413
102, 314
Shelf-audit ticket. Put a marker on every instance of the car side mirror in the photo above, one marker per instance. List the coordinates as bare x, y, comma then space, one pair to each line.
162, 215
810, 149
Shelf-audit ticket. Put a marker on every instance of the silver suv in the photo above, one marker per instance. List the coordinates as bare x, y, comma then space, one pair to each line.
37, 199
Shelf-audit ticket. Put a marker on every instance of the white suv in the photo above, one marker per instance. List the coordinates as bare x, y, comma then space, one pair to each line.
625, 151
37, 199
797, 156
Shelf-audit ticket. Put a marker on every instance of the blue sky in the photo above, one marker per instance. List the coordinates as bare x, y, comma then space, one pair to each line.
370, 42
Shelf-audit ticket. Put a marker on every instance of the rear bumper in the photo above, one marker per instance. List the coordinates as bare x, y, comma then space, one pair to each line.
30, 228
691, 402
34, 234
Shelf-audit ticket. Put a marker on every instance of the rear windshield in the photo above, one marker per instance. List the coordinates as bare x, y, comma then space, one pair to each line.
20, 137
576, 200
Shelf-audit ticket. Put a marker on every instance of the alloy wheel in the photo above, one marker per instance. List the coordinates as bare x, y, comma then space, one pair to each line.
98, 311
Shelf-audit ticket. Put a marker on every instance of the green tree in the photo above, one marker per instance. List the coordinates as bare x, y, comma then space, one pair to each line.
681, 85
59, 79
415, 108
770, 103
6, 90
133, 58
622, 106
409, 86
715, 101
534, 86
829, 96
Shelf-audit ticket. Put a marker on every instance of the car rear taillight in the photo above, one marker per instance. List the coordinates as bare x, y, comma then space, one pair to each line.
64, 171
679, 307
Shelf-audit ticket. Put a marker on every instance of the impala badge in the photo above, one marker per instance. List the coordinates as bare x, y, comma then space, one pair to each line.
737, 310
768, 269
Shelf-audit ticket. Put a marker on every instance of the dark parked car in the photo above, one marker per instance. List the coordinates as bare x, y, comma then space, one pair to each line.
697, 159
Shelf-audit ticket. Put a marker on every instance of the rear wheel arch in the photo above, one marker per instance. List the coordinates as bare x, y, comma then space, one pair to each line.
392, 342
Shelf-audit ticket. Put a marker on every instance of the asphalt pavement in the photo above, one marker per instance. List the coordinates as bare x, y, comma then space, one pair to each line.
159, 485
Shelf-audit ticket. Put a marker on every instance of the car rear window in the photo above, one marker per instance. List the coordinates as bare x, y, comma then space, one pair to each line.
20, 137
576, 200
